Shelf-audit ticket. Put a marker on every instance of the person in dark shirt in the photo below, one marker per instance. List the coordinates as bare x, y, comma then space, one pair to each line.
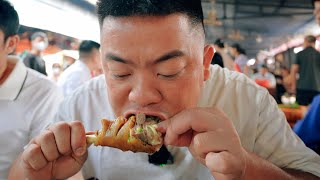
217, 58
307, 63
33, 60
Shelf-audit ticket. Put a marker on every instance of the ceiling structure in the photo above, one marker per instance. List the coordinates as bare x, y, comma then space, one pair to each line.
255, 24
258, 24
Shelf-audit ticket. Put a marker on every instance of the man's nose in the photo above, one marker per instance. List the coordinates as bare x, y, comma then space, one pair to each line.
144, 92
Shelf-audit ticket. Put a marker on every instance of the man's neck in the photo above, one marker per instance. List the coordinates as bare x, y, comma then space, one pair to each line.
88, 64
5, 71
35, 52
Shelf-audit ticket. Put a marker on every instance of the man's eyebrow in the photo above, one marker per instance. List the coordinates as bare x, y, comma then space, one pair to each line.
113, 57
169, 55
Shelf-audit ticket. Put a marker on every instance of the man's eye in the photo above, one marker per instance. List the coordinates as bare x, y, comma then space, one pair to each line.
120, 76
169, 75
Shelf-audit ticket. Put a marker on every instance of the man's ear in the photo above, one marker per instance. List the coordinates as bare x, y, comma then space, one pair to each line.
12, 43
207, 58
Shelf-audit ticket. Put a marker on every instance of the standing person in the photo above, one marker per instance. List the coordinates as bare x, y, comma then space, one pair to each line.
316, 11
33, 59
168, 75
28, 101
308, 129
217, 58
241, 59
307, 64
227, 61
80, 71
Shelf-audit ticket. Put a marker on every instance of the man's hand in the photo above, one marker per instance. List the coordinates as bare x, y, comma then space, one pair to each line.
59, 152
211, 138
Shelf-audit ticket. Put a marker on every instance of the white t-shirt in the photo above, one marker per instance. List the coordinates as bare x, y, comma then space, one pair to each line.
28, 103
73, 77
262, 128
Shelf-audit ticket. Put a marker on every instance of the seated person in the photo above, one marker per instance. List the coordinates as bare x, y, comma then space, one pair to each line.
264, 78
308, 129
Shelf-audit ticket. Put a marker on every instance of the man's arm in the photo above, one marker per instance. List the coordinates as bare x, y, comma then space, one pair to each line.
258, 168
293, 76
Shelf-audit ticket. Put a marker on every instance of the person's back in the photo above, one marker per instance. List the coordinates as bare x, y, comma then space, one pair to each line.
307, 64
80, 71
309, 69
75, 75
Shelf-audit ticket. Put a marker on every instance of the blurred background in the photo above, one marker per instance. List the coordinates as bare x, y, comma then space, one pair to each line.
270, 33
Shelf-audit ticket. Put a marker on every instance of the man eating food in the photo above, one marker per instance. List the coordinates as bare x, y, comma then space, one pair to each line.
218, 123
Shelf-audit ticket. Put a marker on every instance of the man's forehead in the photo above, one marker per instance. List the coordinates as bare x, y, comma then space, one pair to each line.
111, 22
178, 24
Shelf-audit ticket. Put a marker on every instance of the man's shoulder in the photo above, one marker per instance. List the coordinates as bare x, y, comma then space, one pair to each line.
37, 82
35, 78
307, 51
224, 84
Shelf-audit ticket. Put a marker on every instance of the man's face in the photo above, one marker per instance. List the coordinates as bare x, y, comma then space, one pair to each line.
317, 11
40, 43
153, 65
3, 50
96, 59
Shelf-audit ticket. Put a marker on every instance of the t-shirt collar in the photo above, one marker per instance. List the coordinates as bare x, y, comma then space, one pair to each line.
11, 88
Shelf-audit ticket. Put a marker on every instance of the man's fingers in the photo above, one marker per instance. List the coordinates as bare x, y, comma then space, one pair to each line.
194, 119
48, 145
33, 157
213, 141
222, 163
62, 136
181, 140
78, 138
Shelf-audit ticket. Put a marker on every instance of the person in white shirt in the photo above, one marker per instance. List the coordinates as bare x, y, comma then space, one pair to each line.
148, 70
80, 71
241, 59
28, 101
264, 78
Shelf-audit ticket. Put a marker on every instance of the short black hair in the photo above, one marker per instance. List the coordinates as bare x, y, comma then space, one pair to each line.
219, 43
39, 34
310, 39
238, 48
127, 8
264, 66
87, 46
9, 19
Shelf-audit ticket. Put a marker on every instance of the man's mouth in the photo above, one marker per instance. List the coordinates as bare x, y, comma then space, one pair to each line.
146, 116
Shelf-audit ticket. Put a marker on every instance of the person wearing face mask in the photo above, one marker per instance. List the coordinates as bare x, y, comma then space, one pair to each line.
56, 72
33, 60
